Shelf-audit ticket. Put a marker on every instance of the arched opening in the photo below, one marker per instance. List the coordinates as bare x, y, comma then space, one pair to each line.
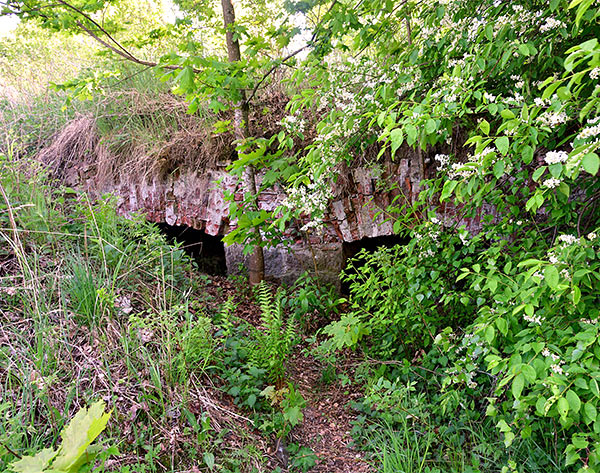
207, 251
351, 248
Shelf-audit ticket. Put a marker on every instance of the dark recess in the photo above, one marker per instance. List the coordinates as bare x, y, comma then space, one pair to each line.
207, 251
351, 249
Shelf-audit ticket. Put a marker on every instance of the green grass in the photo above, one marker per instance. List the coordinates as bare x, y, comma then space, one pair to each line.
96, 306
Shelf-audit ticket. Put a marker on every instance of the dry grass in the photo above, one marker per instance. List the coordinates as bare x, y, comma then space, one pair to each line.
131, 135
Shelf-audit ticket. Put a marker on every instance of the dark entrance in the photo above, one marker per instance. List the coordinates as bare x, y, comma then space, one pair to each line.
207, 251
351, 249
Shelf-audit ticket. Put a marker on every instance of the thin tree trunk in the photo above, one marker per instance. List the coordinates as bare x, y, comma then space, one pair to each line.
256, 262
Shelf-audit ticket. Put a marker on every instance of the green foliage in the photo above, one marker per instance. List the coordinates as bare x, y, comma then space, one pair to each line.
313, 301
287, 414
76, 449
403, 296
86, 297
404, 450
197, 346
302, 458
275, 339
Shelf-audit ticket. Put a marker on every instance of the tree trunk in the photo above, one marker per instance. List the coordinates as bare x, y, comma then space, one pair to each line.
256, 262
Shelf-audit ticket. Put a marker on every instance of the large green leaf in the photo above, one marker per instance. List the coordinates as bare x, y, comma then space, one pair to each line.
77, 436
34, 464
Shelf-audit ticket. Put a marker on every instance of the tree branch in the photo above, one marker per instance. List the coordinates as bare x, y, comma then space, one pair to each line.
289, 56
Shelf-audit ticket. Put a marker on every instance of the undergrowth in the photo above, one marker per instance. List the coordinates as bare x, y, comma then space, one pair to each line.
96, 306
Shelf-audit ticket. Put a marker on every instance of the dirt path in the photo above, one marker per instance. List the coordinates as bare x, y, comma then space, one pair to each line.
327, 420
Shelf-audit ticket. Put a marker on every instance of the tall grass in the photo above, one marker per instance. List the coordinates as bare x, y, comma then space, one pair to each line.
92, 305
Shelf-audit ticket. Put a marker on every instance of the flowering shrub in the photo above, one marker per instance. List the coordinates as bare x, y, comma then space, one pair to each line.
403, 296
502, 98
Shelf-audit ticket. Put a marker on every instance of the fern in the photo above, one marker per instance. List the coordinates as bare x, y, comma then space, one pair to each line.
274, 342
226, 314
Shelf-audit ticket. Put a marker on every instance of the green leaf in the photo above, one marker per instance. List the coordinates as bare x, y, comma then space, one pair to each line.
397, 138
564, 188
579, 441
485, 127
411, 134
517, 385
186, 79
209, 460
591, 163
594, 387
430, 126
502, 326
589, 45
573, 400
527, 154
80, 432
538, 173
499, 169
502, 143
562, 407
529, 373
590, 413
576, 295
447, 190
293, 415
523, 49
34, 464
503, 426
551, 276
490, 333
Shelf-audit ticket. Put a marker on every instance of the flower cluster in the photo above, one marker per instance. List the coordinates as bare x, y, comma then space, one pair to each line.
540, 102
552, 119
590, 131
293, 124
442, 161
534, 319
554, 157
551, 24
556, 366
466, 170
551, 183
568, 239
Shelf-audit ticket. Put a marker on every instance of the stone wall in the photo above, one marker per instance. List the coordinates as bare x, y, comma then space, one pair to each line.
195, 199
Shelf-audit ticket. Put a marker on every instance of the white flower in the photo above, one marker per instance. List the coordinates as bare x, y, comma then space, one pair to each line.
551, 183
545, 352
592, 236
567, 239
589, 132
553, 259
489, 97
551, 24
534, 319
595, 73
553, 157
442, 160
557, 369
553, 119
